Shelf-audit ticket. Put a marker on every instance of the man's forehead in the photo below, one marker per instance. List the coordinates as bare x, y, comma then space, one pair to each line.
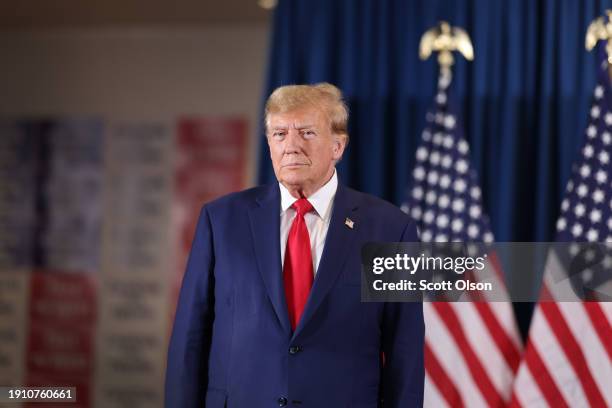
296, 118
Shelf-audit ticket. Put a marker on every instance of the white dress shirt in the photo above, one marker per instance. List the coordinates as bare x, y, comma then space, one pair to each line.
317, 220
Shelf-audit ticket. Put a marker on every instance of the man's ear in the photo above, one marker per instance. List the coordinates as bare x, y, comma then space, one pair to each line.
339, 146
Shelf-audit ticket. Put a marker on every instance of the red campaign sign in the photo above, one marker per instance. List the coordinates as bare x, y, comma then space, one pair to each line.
60, 350
211, 157
211, 161
63, 297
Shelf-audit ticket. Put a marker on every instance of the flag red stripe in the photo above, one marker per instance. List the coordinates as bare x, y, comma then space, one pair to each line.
494, 260
443, 382
514, 402
601, 325
573, 353
542, 377
503, 342
448, 316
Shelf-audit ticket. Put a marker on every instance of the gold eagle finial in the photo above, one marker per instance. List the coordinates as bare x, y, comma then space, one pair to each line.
445, 39
600, 30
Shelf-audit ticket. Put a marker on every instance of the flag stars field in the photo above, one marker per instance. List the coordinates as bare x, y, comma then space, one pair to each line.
598, 93
561, 224
585, 170
592, 235
444, 201
591, 132
449, 121
447, 161
458, 205
595, 216
460, 185
601, 176
432, 178
449, 142
565, 204
462, 166
419, 173
434, 158
475, 211
445, 181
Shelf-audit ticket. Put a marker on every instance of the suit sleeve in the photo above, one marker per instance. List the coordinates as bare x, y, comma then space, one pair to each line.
188, 351
403, 337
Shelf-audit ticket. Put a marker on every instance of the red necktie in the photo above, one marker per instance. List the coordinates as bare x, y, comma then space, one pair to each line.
297, 270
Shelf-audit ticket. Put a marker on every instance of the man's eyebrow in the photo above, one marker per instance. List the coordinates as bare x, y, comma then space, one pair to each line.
298, 127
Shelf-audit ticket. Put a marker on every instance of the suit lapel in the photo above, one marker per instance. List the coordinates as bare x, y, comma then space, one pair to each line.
338, 242
265, 230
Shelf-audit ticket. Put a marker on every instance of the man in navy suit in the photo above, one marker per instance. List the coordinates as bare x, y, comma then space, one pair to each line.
269, 312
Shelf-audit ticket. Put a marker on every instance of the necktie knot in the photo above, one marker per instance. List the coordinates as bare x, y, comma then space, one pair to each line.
302, 206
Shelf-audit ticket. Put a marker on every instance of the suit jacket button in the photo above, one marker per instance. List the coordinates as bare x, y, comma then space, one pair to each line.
294, 349
282, 401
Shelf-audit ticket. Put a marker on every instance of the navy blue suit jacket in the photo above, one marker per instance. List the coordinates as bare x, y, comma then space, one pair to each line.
232, 343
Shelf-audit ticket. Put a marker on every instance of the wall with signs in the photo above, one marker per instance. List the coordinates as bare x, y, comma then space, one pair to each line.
110, 141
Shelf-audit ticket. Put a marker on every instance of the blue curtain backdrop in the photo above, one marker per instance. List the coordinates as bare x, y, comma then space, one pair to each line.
524, 99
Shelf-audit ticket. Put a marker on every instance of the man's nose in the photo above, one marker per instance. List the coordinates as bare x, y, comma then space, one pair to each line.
293, 141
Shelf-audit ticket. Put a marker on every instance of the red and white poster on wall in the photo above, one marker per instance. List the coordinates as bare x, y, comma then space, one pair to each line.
211, 160
60, 349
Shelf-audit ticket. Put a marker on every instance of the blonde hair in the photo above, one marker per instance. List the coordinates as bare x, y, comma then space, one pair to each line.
323, 95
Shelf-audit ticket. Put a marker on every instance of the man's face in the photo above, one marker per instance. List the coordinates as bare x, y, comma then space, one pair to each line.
303, 149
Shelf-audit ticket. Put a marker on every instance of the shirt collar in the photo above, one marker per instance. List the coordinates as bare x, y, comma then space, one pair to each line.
321, 200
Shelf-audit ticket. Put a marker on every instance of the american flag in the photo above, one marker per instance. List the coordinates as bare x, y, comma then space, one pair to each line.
472, 349
568, 357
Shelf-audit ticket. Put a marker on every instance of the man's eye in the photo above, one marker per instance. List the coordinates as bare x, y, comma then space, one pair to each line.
278, 135
308, 133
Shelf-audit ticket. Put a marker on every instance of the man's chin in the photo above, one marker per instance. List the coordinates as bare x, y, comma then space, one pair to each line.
294, 172
293, 178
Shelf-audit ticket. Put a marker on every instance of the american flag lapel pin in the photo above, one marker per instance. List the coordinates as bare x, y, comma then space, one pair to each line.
349, 223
